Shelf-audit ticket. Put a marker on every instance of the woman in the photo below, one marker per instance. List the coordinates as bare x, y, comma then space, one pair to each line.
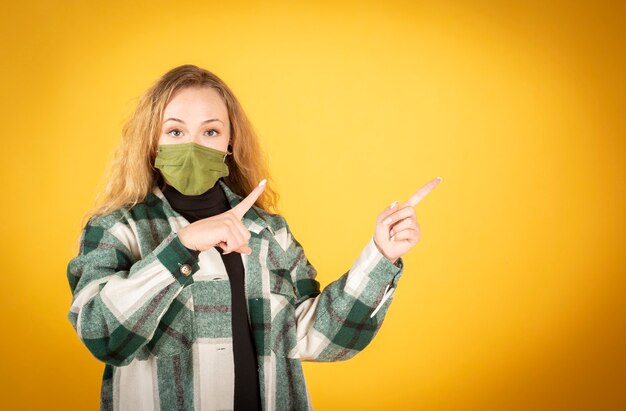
190, 290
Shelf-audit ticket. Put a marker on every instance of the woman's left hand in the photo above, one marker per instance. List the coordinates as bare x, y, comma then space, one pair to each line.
397, 230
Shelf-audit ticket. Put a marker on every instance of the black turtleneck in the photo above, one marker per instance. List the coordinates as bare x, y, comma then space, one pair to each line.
207, 204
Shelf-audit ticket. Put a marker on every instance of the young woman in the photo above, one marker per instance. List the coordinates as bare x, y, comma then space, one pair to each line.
187, 287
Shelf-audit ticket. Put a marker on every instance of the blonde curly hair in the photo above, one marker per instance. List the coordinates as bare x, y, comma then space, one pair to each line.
131, 176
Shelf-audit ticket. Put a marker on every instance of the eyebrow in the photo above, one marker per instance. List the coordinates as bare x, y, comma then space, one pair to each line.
204, 122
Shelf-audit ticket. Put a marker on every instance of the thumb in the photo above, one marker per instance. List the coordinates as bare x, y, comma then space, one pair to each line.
244, 249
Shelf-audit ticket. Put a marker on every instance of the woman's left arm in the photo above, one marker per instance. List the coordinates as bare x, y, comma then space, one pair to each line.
338, 322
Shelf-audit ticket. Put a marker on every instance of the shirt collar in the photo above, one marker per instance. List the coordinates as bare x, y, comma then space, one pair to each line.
252, 220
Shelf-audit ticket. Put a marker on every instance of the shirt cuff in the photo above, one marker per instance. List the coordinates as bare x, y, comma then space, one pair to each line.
371, 251
178, 259
392, 270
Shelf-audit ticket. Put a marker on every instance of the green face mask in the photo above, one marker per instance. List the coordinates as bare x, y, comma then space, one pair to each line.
191, 168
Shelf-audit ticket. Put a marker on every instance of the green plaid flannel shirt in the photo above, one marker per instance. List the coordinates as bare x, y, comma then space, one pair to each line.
164, 331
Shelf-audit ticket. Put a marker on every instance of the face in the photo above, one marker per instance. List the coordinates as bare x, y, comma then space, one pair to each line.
196, 114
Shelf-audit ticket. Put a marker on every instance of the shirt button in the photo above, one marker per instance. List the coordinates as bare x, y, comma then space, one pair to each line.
185, 269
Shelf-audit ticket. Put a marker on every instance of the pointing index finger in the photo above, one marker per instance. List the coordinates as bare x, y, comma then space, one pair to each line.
245, 204
423, 191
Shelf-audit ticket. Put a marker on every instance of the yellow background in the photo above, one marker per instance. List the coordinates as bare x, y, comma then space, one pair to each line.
514, 298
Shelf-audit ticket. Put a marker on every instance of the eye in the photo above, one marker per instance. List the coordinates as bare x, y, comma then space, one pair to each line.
211, 135
174, 130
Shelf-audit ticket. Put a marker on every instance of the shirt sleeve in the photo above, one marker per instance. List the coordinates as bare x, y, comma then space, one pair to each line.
336, 323
119, 299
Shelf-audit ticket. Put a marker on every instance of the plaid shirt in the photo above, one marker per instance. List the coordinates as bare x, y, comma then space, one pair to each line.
159, 315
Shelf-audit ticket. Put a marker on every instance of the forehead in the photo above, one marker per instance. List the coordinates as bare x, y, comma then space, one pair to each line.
196, 102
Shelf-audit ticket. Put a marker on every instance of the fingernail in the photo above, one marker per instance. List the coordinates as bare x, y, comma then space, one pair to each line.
392, 237
395, 203
262, 183
387, 221
439, 178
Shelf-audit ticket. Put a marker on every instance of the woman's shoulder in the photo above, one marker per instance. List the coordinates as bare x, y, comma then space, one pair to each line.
107, 219
278, 227
273, 220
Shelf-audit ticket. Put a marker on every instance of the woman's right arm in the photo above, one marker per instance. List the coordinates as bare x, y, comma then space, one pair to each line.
118, 300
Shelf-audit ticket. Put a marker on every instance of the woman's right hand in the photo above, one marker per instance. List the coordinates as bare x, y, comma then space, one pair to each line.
224, 230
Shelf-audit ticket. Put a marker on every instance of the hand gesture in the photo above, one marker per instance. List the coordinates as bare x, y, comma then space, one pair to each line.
224, 230
397, 229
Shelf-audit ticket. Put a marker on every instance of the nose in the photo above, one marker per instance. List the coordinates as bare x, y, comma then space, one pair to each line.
198, 140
